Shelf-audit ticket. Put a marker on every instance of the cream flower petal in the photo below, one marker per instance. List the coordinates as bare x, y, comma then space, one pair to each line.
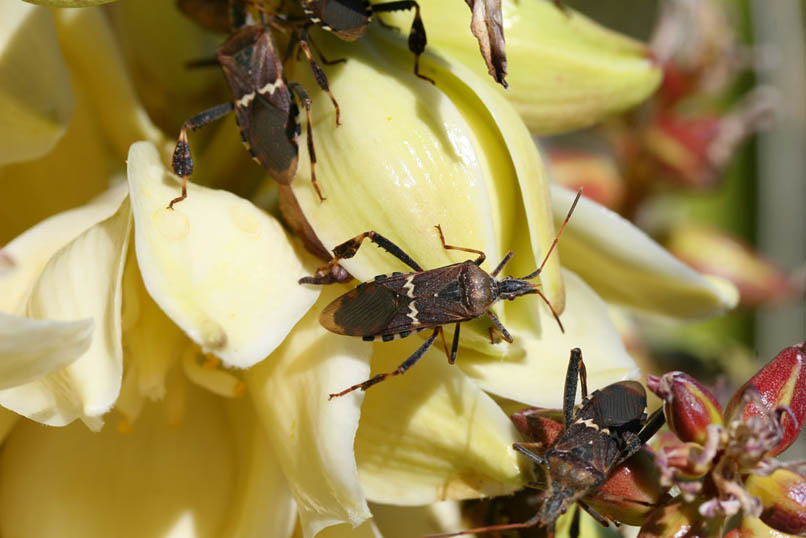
626, 267
313, 437
408, 521
156, 481
29, 252
432, 434
82, 280
368, 529
455, 154
533, 372
94, 58
31, 348
8, 419
36, 99
564, 70
262, 505
220, 268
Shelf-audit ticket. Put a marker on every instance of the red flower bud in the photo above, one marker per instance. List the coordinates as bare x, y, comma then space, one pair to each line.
631, 491
781, 383
689, 406
783, 497
539, 425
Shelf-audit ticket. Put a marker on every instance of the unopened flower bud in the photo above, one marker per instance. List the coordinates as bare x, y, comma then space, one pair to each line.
538, 425
680, 518
689, 406
631, 491
714, 252
783, 497
780, 384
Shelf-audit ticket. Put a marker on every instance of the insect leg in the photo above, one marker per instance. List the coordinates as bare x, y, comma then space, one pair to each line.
499, 328
325, 61
600, 519
501, 265
477, 261
182, 160
553, 312
531, 522
350, 247
576, 367
526, 450
318, 74
635, 442
417, 39
306, 101
408, 363
454, 345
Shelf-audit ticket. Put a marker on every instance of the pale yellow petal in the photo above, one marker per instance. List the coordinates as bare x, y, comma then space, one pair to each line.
564, 70
8, 420
82, 280
432, 434
31, 348
152, 343
36, 99
95, 59
262, 505
222, 269
628, 268
368, 529
313, 437
533, 371
156, 481
29, 252
408, 521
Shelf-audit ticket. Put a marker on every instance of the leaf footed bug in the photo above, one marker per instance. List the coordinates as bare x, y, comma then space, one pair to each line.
401, 304
264, 103
349, 20
607, 428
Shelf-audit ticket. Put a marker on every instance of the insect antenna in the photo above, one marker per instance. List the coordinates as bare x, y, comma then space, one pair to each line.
556, 239
553, 312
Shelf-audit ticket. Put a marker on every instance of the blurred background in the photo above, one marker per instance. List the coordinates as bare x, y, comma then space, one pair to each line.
712, 167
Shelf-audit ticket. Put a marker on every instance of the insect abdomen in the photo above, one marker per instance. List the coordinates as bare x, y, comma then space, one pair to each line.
364, 311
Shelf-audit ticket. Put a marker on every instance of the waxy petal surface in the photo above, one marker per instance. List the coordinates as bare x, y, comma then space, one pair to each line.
626, 267
533, 371
157, 480
431, 434
32, 348
564, 70
221, 269
82, 280
313, 437
36, 98
29, 252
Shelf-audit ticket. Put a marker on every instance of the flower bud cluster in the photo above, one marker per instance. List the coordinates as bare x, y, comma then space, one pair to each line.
724, 463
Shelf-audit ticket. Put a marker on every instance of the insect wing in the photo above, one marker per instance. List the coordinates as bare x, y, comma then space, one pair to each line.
620, 406
364, 311
264, 110
349, 19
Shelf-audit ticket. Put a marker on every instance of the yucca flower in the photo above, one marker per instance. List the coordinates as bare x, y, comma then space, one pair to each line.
181, 338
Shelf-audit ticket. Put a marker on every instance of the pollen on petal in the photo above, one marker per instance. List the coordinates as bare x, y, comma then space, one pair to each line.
215, 380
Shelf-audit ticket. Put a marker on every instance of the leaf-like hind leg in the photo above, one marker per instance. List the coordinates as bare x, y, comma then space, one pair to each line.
417, 38
349, 248
400, 370
182, 159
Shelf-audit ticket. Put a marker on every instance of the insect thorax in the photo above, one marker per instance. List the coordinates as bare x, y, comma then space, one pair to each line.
478, 289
